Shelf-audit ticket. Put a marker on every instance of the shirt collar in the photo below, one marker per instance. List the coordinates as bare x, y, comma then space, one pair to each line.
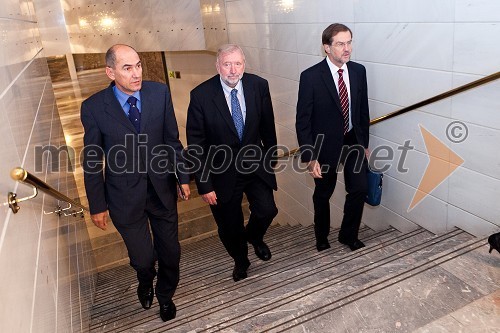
123, 97
227, 89
334, 68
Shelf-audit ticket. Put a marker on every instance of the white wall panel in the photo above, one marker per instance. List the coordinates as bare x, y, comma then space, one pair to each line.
251, 12
404, 86
404, 11
476, 193
404, 44
326, 12
471, 223
283, 37
477, 11
476, 49
477, 106
309, 38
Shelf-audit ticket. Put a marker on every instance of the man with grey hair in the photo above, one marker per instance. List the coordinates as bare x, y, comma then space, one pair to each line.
230, 118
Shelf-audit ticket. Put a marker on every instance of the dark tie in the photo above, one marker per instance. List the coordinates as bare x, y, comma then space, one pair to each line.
134, 115
236, 112
344, 100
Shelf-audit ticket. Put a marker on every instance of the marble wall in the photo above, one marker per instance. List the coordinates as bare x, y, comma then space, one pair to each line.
194, 68
412, 50
148, 25
213, 16
47, 270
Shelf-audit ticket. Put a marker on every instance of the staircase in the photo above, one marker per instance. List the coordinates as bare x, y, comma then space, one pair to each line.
399, 283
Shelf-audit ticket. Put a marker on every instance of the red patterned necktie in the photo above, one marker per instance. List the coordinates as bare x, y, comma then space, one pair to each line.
344, 101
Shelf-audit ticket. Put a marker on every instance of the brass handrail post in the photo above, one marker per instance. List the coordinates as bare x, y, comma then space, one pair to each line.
21, 175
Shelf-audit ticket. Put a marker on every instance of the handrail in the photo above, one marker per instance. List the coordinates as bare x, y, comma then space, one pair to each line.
439, 97
425, 102
21, 175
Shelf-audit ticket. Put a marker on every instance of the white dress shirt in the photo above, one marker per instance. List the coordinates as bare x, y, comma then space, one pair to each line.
345, 75
241, 98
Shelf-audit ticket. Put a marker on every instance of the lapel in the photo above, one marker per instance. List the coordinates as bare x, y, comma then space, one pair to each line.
147, 102
354, 85
221, 104
114, 109
327, 77
251, 107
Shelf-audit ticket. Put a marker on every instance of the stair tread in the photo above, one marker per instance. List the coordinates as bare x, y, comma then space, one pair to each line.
275, 291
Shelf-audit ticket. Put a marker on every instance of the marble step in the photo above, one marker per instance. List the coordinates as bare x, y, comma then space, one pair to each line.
209, 266
196, 257
287, 252
192, 256
199, 263
342, 285
201, 295
274, 298
240, 309
417, 296
267, 293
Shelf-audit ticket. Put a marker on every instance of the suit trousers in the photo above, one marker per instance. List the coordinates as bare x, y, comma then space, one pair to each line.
230, 220
354, 168
143, 250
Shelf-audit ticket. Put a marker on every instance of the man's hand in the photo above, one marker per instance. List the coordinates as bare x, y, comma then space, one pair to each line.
210, 198
100, 220
185, 193
367, 154
314, 169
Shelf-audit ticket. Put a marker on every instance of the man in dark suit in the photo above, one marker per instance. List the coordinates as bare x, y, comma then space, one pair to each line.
230, 130
132, 127
333, 119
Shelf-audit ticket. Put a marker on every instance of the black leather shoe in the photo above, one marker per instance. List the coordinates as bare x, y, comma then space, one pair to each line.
168, 311
322, 245
262, 250
146, 293
240, 271
494, 241
355, 245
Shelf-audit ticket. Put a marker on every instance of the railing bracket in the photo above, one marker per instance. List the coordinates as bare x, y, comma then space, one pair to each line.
13, 201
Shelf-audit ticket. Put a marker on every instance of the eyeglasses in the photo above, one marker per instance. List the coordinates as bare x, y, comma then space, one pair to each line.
341, 45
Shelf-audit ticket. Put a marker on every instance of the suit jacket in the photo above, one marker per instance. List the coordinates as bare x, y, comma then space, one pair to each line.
130, 158
210, 128
319, 112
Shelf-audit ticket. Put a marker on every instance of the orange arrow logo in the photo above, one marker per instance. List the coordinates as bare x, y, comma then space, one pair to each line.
442, 163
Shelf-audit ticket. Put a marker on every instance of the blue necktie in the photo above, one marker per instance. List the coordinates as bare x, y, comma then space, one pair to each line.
134, 115
236, 112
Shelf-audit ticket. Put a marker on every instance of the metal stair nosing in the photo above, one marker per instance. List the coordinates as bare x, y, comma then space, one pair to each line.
131, 309
377, 286
298, 293
215, 308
